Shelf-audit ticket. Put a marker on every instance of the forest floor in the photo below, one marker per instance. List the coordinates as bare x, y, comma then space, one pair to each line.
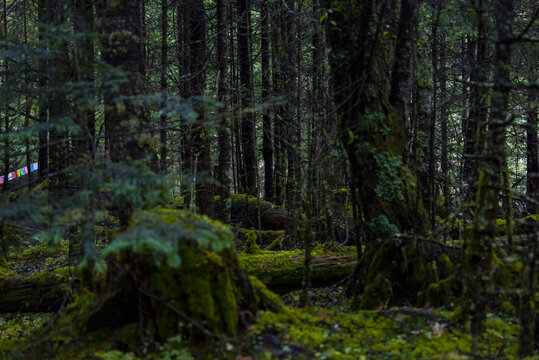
325, 330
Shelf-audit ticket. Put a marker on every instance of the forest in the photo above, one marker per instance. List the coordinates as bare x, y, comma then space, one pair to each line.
269, 179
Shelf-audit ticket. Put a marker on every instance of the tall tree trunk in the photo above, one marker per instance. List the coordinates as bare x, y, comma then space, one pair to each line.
478, 103
246, 93
267, 146
222, 211
164, 85
44, 17
375, 158
443, 124
7, 127
434, 114
58, 107
120, 37
201, 139
83, 24
479, 250
532, 160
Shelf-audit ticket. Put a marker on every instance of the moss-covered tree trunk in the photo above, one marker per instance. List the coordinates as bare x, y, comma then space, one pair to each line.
374, 128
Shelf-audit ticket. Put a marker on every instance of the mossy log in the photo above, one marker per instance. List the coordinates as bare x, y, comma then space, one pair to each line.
42, 291
245, 210
283, 271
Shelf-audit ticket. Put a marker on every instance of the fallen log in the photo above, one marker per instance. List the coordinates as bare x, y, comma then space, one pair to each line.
282, 271
42, 291
244, 212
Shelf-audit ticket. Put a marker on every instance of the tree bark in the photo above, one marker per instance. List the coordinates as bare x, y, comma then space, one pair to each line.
246, 94
267, 146
164, 85
120, 37
479, 253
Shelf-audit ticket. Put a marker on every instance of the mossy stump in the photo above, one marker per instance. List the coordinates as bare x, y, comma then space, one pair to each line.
141, 301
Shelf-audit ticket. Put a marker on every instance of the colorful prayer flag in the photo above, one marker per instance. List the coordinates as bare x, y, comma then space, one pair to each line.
22, 171
11, 176
33, 167
19, 172
26, 169
2, 179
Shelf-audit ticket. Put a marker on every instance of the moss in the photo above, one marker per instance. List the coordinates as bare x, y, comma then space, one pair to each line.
205, 289
274, 238
250, 199
399, 333
266, 299
507, 308
283, 270
443, 293
51, 277
45, 250
397, 272
6, 275
377, 294
201, 287
251, 247
16, 328
445, 265
177, 203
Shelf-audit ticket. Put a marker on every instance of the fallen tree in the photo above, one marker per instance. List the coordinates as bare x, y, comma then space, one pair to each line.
283, 271
41, 291
246, 209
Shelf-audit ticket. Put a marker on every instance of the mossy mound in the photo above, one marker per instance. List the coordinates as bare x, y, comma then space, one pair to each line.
397, 271
142, 301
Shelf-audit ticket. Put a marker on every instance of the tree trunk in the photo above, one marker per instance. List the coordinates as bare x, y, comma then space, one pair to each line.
246, 94
376, 161
444, 162
479, 251
478, 98
200, 135
267, 146
222, 211
532, 160
44, 17
83, 24
164, 85
58, 108
121, 34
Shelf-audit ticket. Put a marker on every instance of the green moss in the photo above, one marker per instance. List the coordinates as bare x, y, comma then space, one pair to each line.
45, 250
177, 203
50, 277
394, 334
445, 265
283, 270
249, 199
266, 299
16, 328
377, 294
443, 293
251, 247
274, 238
6, 275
